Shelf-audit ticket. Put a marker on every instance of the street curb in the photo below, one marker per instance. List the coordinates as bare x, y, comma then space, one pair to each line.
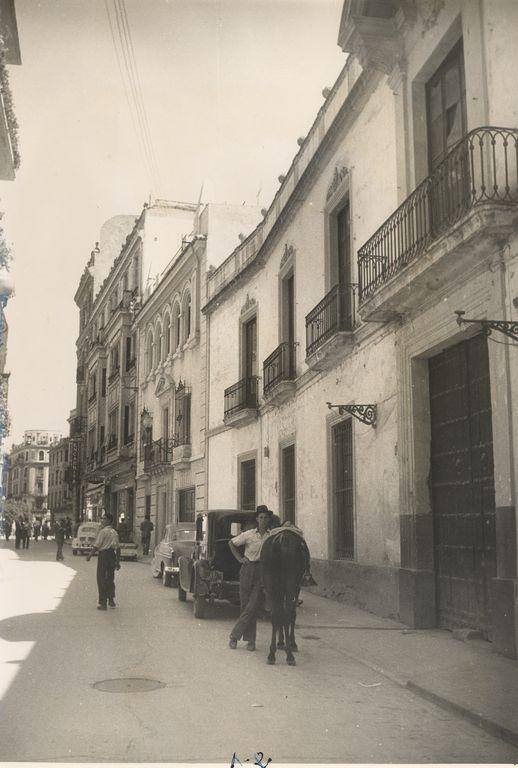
494, 729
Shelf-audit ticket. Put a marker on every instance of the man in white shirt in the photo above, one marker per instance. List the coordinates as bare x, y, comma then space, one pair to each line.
250, 578
108, 561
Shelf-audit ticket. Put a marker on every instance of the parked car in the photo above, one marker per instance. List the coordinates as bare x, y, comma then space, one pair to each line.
210, 571
84, 539
175, 542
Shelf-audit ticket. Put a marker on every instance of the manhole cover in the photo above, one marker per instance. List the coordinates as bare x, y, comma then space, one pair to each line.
128, 685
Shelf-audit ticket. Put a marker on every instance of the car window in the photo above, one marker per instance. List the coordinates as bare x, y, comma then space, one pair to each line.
183, 536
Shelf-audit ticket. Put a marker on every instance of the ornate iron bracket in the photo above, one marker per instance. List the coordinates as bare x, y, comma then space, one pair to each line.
367, 414
509, 328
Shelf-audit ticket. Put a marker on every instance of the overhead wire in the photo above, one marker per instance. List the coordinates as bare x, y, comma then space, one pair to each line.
128, 68
138, 136
138, 87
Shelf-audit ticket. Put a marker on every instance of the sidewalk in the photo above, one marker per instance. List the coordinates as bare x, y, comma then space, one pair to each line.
466, 677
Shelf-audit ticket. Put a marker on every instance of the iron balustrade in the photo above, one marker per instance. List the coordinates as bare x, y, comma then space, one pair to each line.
334, 313
279, 366
241, 395
481, 168
157, 454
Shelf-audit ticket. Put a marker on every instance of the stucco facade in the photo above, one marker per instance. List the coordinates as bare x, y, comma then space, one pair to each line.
346, 294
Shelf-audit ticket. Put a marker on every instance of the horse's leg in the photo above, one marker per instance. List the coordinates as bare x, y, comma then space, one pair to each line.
273, 647
294, 646
280, 642
289, 620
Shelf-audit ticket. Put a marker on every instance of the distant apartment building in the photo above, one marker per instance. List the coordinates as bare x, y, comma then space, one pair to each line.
60, 491
28, 472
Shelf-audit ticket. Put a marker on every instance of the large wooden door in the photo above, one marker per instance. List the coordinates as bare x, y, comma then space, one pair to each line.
462, 484
288, 483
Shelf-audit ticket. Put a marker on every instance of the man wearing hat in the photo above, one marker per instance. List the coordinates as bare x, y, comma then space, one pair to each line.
250, 577
108, 561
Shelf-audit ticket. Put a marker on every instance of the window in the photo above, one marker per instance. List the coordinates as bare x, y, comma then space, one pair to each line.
167, 335
165, 425
129, 423
249, 348
446, 106
113, 428
247, 484
176, 327
66, 455
343, 486
182, 405
158, 345
288, 483
186, 506
114, 361
148, 505
41, 456
187, 304
149, 352
129, 352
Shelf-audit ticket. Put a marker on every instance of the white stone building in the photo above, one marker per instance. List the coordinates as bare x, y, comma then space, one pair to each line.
399, 209
170, 332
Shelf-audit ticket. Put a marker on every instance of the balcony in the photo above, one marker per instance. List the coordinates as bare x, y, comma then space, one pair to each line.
157, 456
112, 443
92, 398
127, 449
130, 364
101, 454
329, 328
455, 219
241, 402
279, 374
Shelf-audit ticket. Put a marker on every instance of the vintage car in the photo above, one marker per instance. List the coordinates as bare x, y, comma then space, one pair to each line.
84, 539
211, 572
175, 542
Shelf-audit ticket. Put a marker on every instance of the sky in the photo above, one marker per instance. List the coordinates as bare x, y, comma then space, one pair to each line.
228, 87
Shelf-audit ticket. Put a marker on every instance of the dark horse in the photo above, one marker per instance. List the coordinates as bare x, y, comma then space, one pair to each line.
285, 559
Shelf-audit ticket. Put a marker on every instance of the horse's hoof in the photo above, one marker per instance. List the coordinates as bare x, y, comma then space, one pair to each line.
270, 660
281, 646
291, 662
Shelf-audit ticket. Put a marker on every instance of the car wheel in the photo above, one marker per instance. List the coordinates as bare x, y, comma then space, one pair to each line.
182, 594
200, 607
166, 578
74, 551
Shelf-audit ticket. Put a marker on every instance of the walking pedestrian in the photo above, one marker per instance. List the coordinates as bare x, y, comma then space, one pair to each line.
45, 530
146, 526
18, 530
107, 546
26, 534
59, 536
37, 528
250, 578
8, 528
68, 527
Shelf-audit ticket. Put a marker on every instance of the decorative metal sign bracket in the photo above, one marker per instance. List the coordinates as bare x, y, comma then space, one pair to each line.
509, 328
367, 414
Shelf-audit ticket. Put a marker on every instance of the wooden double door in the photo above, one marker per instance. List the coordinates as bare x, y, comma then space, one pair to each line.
462, 485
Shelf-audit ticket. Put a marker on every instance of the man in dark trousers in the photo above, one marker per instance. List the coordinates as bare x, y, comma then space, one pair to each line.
250, 578
107, 546
59, 536
18, 531
146, 526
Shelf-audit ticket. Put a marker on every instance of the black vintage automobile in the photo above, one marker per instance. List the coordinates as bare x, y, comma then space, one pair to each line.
212, 572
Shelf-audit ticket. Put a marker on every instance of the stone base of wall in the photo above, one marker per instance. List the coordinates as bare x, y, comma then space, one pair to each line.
370, 587
417, 598
504, 616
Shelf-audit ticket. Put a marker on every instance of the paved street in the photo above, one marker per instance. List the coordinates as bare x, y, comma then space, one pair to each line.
55, 645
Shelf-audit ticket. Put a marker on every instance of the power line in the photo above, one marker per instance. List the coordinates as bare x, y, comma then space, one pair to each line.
140, 95
125, 55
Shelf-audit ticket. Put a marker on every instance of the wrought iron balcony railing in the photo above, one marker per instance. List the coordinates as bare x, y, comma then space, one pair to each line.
114, 374
334, 313
279, 366
241, 395
93, 397
130, 363
157, 454
481, 168
112, 442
